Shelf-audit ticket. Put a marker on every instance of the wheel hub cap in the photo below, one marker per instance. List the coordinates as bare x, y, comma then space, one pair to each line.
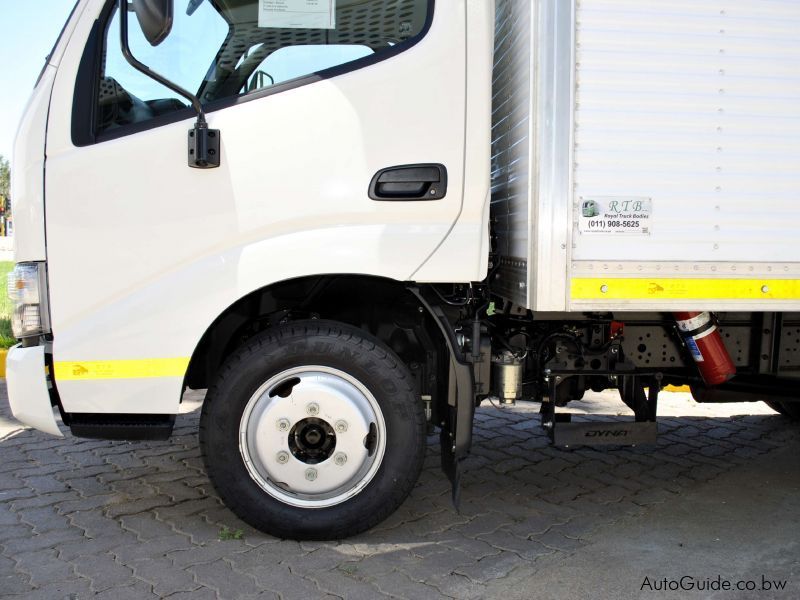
312, 436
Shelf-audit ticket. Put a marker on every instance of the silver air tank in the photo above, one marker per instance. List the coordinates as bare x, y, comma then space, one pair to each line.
507, 377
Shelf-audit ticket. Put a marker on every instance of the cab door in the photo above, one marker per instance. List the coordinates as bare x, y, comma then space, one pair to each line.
145, 252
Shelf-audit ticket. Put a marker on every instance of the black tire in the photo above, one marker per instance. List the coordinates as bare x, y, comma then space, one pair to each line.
341, 348
790, 410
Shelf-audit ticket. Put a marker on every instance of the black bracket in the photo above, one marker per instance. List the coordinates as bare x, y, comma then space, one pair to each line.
204, 146
643, 430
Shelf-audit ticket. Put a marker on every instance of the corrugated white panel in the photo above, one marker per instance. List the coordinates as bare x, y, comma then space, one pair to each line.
695, 104
511, 139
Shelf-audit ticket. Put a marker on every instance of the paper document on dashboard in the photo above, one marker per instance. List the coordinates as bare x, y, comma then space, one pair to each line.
297, 14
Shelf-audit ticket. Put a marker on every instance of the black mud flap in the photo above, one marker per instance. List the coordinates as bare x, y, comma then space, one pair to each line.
456, 435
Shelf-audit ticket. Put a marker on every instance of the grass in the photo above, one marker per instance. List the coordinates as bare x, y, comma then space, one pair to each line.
6, 336
226, 534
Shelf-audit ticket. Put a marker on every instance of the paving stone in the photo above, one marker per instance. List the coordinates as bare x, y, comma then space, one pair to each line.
505, 541
491, 567
88, 487
483, 524
94, 523
45, 456
280, 577
398, 584
219, 575
43, 567
578, 527
435, 559
526, 527
103, 572
123, 479
145, 526
8, 481
136, 506
43, 500
32, 469
19, 493
14, 531
51, 539
87, 547
135, 549
162, 575
473, 547
136, 591
61, 590
66, 507
557, 541
198, 530
180, 510
456, 585
13, 584
312, 563
205, 554
201, 593
338, 584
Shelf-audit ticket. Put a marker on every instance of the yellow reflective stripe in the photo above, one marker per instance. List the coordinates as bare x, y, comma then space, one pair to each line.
120, 369
609, 288
677, 388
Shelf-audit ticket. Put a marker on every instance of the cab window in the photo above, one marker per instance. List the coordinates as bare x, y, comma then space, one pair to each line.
225, 49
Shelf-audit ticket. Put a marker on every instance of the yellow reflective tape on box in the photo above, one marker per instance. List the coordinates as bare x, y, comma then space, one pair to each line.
120, 369
609, 288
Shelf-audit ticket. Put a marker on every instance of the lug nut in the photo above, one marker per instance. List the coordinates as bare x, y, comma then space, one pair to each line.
311, 474
340, 458
283, 425
313, 409
341, 426
283, 457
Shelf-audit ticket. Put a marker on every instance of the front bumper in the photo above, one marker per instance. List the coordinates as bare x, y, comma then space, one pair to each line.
27, 389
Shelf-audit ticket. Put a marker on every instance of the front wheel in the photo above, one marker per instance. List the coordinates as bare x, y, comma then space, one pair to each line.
313, 430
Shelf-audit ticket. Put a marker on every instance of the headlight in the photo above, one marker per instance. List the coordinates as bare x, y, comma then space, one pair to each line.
27, 288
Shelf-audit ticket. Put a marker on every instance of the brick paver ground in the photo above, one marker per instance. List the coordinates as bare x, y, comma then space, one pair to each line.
81, 518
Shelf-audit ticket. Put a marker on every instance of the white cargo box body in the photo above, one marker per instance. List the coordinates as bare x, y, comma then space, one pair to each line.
646, 154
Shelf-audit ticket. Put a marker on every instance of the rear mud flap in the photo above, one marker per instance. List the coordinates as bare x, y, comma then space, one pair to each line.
456, 434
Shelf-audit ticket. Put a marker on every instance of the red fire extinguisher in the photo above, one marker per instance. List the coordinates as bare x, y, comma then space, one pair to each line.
699, 332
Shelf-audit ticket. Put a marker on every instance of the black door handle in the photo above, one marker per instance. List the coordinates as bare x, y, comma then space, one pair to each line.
409, 182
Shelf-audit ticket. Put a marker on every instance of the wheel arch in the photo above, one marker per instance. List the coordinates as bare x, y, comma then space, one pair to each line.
384, 308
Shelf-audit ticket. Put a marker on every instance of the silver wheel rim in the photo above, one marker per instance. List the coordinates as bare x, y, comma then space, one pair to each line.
312, 436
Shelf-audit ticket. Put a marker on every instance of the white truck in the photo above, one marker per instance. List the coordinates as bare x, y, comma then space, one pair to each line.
354, 220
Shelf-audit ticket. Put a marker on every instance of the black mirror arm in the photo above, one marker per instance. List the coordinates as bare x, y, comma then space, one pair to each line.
134, 62
204, 143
